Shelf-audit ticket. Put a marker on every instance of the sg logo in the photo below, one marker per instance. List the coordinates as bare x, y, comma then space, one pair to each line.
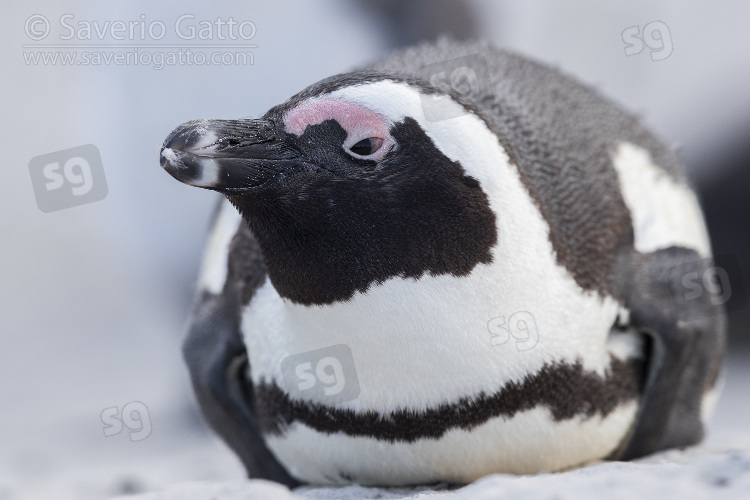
521, 326
467, 77
326, 374
68, 178
715, 281
655, 36
708, 287
134, 416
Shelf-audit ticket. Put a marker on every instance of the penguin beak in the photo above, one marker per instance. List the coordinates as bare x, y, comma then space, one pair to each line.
228, 155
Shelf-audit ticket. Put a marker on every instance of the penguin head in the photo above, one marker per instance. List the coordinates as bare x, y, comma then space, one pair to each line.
343, 188
326, 141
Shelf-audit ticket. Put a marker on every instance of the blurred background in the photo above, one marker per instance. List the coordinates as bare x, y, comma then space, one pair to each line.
93, 298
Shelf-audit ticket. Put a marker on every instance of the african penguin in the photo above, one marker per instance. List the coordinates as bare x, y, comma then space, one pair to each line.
409, 283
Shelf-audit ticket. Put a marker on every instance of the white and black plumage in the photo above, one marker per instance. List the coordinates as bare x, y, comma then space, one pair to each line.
365, 224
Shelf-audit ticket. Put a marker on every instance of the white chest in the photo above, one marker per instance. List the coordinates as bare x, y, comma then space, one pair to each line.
431, 349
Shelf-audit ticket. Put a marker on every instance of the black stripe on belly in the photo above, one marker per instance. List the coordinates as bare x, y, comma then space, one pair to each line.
566, 389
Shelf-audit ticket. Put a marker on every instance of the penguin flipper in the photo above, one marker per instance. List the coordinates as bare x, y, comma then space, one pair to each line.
685, 356
217, 360
218, 363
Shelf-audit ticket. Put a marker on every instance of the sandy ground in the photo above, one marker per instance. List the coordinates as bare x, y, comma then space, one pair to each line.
694, 474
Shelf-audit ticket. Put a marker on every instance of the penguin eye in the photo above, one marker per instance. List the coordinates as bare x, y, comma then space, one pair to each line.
366, 147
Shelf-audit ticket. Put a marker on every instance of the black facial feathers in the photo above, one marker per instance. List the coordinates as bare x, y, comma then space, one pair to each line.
328, 234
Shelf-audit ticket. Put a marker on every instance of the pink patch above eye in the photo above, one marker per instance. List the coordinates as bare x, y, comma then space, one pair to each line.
358, 121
